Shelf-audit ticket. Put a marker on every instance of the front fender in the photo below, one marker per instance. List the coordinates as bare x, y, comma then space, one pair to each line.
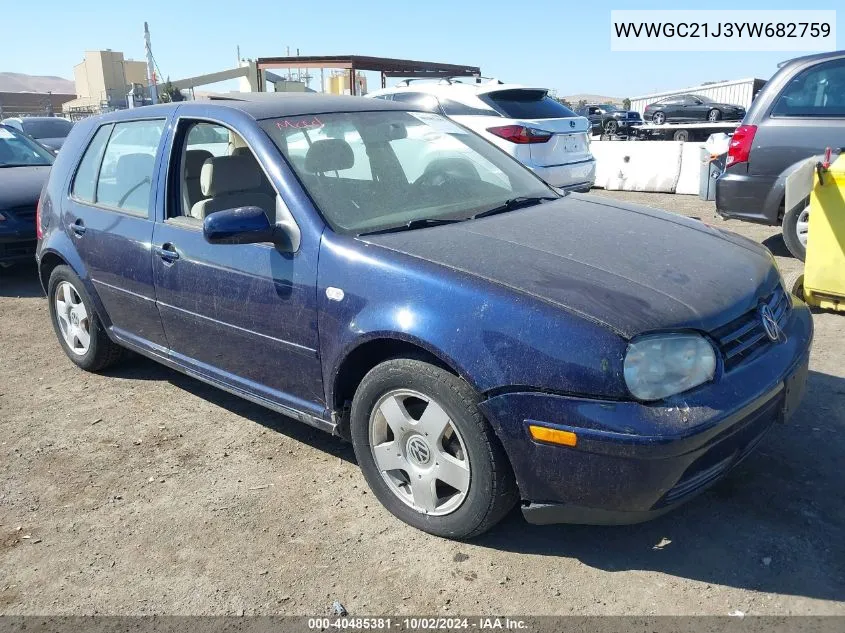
494, 337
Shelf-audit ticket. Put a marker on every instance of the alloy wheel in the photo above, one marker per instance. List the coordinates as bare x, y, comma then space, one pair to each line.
72, 317
802, 226
419, 452
659, 118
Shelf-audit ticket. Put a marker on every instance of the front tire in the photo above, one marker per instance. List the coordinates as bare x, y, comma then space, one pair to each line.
426, 451
77, 326
714, 115
795, 230
611, 127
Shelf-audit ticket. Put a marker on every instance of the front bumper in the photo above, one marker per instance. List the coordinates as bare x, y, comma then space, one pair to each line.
578, 176
634, 461
17, 246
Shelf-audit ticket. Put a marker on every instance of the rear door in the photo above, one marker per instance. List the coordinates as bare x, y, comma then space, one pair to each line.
109, 217
535, 108
806, 117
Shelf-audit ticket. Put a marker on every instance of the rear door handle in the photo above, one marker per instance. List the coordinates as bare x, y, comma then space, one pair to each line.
167, 252
78, 227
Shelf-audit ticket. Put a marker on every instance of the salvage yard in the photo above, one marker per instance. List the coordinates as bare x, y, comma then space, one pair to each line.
145, 491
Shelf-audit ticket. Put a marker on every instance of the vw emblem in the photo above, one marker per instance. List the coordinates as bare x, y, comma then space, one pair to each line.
572, 124
418, 450
770, 325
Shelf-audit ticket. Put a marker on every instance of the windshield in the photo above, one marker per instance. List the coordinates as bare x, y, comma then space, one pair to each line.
47, 128
609, 107
369, 171
18, 151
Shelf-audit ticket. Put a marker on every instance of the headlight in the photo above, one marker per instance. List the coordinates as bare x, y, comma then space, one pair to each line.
660, 365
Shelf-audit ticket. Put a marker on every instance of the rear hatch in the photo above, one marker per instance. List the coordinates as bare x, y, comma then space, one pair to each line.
534, 108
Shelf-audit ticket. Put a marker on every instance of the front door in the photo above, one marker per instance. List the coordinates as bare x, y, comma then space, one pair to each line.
110, 219
241, 314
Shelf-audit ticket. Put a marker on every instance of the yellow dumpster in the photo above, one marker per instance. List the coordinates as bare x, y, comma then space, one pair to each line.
823, 282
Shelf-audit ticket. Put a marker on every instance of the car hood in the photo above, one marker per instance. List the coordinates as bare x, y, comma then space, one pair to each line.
631, 268
21, 186
52, 143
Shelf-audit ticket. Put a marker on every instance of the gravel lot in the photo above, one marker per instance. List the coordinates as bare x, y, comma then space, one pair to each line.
145, 491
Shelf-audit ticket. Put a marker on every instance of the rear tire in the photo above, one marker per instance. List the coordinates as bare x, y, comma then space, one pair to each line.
681, 135
658, 118
397, 394
795, 231
79, 330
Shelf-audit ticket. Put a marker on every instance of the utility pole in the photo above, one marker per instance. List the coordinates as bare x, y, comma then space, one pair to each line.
151, 69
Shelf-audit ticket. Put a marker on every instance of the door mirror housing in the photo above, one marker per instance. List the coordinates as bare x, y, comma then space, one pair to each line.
245, 225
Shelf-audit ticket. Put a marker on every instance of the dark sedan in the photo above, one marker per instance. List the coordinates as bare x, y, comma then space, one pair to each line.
383, 273
24, 167
691, 108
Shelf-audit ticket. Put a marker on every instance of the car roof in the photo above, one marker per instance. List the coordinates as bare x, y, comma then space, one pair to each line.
267, 105
812, 58
456, 86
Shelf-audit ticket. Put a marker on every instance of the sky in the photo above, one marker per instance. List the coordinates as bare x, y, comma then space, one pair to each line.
561, 45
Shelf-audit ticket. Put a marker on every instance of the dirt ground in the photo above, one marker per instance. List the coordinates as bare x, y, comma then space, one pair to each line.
145, 491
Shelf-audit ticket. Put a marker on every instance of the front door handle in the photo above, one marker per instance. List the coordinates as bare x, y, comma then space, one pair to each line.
167, 252
78, 227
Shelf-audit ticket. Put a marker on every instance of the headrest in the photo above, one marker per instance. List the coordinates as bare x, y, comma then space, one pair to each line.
132, 167
227, 174
194, 159
329, 154
241, 151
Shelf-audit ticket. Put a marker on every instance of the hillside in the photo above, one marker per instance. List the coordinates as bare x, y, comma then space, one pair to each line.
591, 98
18, 82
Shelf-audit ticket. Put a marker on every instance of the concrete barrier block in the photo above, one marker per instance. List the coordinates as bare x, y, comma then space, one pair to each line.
638, 166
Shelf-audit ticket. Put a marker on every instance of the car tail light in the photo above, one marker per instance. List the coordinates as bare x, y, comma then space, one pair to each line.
520, 134
38, 232
740, 145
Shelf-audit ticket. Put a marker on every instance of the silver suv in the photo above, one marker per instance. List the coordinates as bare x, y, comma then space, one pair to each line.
799, 112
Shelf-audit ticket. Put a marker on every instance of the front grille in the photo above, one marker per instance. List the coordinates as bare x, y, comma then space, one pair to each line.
633, 116
744, 337
24, 214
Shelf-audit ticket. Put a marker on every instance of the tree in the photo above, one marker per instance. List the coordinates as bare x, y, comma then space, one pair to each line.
582, 104
626, 103
170, 93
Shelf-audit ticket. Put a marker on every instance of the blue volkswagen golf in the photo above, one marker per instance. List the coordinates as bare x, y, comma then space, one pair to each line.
386, 275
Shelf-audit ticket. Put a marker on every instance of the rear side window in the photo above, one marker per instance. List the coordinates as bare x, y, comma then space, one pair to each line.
527, 104
85, 181
127, 169
456, 108
421, 100
816, 92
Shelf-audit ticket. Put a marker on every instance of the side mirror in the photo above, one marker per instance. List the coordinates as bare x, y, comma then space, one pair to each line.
244, 225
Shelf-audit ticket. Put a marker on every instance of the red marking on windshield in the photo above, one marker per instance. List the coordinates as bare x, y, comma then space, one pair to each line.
299, 124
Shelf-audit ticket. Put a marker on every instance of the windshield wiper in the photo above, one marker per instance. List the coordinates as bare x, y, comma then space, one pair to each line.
514, 203
415, 224
24, 165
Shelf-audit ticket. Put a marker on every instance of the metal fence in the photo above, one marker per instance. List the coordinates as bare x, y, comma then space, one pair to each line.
19, 104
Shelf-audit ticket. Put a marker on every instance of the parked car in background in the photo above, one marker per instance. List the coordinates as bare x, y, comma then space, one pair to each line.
691, 108
610, 119
478, 336
797, 114
540, 132
24, 167
49, 131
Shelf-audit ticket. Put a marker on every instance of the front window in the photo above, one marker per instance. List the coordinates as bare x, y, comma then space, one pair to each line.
370, 171
18, 151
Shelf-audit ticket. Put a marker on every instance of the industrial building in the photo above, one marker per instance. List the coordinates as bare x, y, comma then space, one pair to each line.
103, 79
14, 104
739, 92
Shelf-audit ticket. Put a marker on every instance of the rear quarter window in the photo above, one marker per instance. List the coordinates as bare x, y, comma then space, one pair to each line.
85, 181
527, 104
818, 91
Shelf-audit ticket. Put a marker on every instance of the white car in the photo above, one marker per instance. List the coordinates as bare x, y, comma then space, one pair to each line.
543, 134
